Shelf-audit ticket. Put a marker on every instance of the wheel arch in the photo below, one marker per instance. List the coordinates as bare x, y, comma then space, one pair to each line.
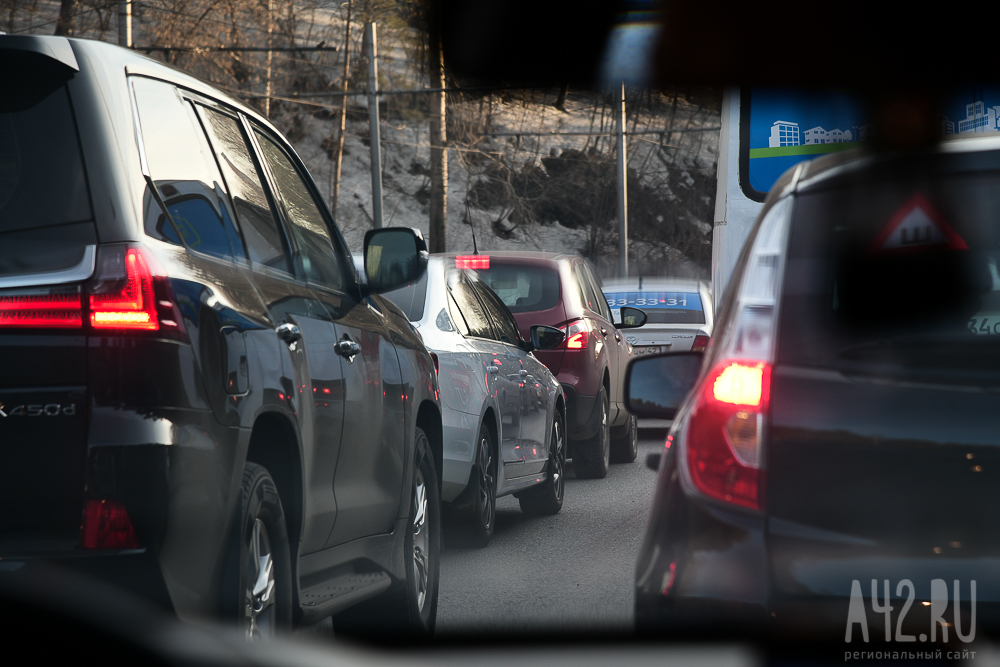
429, 419
274, 444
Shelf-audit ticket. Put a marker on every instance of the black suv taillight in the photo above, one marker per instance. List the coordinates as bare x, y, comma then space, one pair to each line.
129, 292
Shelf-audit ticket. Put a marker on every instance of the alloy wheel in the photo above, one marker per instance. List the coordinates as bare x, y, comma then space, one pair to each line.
421, 539
259, 596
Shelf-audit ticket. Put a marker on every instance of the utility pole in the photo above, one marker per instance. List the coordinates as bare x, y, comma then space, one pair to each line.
373, 127
622, 172
439, 148
125, 23
343, 112
267, 91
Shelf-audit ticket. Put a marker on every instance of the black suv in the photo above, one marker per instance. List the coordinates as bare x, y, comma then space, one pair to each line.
840, 445
198, 400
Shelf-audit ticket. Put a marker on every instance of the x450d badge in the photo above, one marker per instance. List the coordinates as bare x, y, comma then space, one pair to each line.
46, 410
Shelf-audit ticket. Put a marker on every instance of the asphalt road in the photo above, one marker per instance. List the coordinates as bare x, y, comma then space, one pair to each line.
570, 572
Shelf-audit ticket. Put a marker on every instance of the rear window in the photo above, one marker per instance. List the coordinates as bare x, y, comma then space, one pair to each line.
898, 275
523, 288
42, 180
410, 299
662, 307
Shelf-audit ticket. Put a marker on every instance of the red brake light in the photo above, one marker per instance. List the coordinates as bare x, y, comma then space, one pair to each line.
700, 343
124, 299
472, 262
43, 310
577, 335
106, 525
725, 433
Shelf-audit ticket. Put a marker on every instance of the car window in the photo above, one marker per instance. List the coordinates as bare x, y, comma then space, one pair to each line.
320, 261
263, 237
523, 288
469, 306
599, 299
40, 155
587, 294
185, 174
457, 317
503, 322
661, 307
897, 277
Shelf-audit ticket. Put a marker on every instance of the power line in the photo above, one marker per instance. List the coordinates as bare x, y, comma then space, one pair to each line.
236, 49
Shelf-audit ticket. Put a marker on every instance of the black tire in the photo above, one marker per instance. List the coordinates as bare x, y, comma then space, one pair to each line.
408, 610
257, 581
625, 447
547, 498
478, 528
592, 457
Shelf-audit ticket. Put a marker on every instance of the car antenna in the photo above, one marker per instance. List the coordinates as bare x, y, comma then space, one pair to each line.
468, 216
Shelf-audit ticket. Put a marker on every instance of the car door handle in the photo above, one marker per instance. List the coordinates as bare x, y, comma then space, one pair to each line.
493, 370
604, 332
618, 337
347, 348
523, 373
288, 332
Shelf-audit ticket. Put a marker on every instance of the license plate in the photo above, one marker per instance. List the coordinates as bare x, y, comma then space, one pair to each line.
650, 349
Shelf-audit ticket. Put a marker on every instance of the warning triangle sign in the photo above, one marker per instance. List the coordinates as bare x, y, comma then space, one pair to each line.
916, 226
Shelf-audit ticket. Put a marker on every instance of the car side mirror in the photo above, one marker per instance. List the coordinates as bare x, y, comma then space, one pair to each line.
631, 318
546, 338
655, 386
394, 257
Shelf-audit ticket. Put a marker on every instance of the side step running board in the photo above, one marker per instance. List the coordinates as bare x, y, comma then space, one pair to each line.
329, 597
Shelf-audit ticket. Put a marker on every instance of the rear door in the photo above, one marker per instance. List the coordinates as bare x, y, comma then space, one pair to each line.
503, 369
369, 469
532, 413
885, 427
310, 385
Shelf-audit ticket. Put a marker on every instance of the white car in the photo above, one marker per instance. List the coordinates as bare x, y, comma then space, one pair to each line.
680, 313
503, 412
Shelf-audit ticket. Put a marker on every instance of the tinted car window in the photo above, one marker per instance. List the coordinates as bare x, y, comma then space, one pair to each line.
260, 230
503, 321
40, 156
184, 172
468, 304
316, 253
897, 277
523, 288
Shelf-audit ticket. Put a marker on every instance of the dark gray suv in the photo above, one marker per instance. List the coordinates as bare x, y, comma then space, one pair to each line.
198, 400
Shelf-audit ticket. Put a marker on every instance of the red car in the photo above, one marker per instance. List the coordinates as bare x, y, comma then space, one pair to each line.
562, 291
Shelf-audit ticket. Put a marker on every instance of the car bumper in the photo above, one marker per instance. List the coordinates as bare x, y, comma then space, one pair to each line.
460, 430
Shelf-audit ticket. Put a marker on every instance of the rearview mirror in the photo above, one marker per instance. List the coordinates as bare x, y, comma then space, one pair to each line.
631, 318
546, 338
394, 257
656, 386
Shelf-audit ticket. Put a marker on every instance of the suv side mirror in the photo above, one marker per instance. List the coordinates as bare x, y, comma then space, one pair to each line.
546, 338
394, 257
631, 318
655, 386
